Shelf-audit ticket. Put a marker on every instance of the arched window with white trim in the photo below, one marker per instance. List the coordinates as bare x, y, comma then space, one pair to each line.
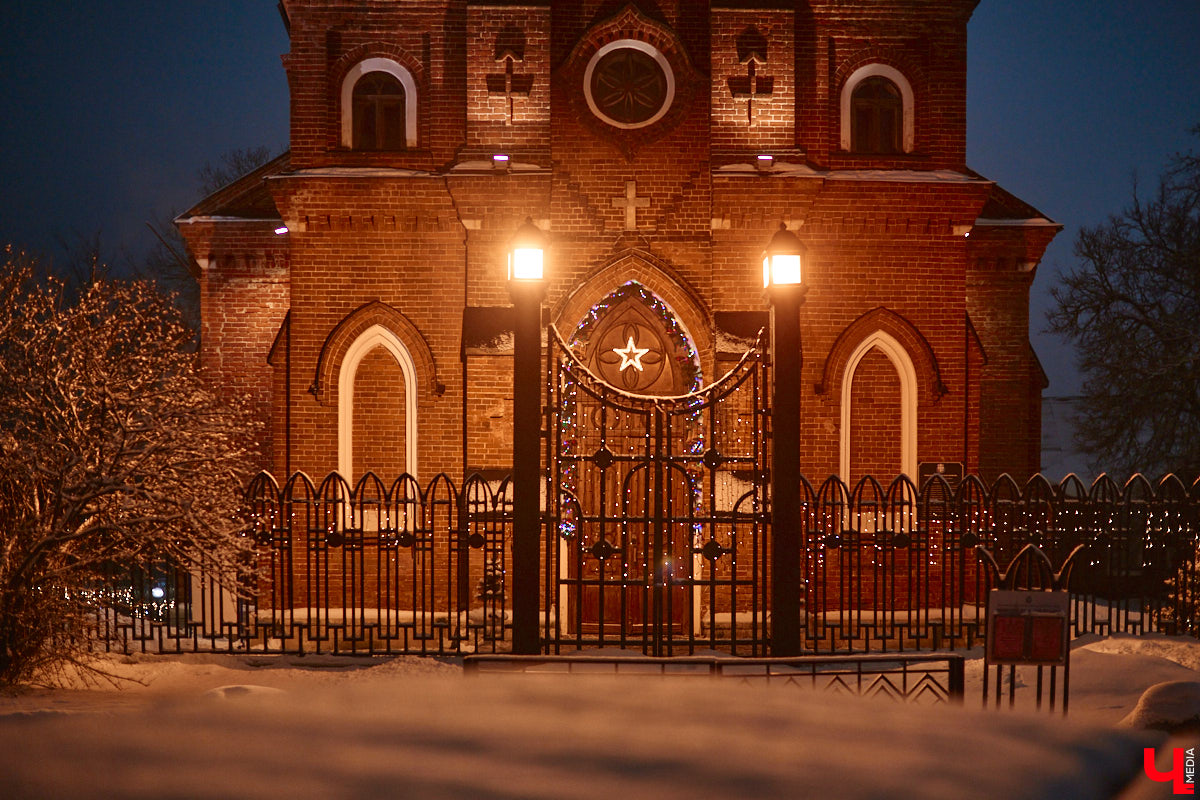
877, 111
377, 407
879, 412
379, 106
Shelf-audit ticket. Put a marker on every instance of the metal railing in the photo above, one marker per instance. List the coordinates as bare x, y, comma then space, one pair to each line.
922, 678
397, 568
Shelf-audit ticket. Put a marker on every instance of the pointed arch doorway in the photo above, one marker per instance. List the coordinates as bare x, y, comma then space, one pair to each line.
657, 488
633, 559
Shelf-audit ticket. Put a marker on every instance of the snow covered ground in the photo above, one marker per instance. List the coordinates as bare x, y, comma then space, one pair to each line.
320, 727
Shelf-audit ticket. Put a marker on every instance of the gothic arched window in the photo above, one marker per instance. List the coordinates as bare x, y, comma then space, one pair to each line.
378, 109
876, 116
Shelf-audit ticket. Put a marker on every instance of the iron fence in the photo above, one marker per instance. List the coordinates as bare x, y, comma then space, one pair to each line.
922, 678
395, 568
897, 568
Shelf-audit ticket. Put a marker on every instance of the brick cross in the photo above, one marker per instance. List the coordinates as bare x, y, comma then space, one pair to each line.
509, 84
631, 203
751, 86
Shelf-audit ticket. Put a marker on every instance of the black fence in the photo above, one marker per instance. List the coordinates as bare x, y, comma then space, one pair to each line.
922, 678
397, 568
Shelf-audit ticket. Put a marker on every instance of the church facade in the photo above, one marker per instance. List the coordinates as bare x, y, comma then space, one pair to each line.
355, 288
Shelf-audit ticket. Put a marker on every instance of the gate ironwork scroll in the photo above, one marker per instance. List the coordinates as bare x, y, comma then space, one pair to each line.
656, 513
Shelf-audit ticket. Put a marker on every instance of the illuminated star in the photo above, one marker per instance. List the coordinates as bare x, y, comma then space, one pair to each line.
631, 356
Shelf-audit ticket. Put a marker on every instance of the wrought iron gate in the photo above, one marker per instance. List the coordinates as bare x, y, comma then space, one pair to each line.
656, 513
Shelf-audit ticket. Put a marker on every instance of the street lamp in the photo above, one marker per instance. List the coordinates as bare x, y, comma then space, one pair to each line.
526, 287
782, 262
782, 259
526, 253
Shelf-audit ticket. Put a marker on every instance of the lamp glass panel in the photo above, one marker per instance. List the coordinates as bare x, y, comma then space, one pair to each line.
785, 269
525, 264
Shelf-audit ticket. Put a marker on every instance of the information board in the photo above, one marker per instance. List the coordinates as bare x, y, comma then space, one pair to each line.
1028, 627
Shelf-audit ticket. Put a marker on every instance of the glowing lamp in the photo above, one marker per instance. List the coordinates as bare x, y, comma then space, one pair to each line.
782, 259
526, 253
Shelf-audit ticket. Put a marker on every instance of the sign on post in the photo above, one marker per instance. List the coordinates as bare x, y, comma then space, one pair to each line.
1028, 627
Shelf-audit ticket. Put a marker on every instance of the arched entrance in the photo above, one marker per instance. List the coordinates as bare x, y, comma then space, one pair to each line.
639, 456
632, 341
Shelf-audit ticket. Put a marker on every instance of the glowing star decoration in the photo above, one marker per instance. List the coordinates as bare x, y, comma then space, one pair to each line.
631, 355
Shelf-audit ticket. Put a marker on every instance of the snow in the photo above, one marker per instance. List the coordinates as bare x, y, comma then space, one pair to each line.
1171, 705
338, 727
487, 165
1030, 222
793, 170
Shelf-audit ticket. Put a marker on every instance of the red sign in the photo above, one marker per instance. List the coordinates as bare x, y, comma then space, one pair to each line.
1028, 627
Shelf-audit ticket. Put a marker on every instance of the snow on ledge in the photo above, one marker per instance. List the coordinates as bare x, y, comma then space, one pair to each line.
355, 172
787, 170
475, 166
1032, 222
225, 218
486, 165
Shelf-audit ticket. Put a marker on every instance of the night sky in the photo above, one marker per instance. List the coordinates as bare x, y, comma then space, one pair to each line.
108, 109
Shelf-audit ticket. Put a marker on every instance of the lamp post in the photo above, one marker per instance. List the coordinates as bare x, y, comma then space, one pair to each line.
782, 263
526, 287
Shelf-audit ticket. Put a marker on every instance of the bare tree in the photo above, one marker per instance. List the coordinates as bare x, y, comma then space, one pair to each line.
1131, 307
168, 261
233, 164
113, 453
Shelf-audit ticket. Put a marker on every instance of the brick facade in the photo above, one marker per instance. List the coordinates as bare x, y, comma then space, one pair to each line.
910, 247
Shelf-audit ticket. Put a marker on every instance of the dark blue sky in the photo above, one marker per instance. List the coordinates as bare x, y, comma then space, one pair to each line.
108, 108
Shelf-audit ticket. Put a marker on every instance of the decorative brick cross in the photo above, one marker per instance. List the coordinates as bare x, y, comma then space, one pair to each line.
631, 203
752, 51
751, 87
510, 48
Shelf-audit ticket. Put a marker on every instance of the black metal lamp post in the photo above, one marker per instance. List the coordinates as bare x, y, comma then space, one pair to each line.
782, 262
526, 287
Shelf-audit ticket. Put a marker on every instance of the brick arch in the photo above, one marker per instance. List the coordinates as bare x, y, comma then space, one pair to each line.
658, 278
345, 63
930, 388
342, 337
883, 61
631, 23
878, 55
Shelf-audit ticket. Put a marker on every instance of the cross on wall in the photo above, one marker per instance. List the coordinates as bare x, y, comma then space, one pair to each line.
509, 84
631, 203
751, 87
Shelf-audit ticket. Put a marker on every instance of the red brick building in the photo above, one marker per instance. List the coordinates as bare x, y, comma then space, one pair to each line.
355, 287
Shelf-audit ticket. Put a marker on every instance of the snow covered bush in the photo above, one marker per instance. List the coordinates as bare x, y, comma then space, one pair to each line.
113, 454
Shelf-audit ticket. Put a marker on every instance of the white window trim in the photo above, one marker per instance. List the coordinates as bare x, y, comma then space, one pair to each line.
629, 44
906, 95
368, 340
908, 401
396, 71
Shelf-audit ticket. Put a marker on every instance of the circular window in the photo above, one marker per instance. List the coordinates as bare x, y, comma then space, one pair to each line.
629, 84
